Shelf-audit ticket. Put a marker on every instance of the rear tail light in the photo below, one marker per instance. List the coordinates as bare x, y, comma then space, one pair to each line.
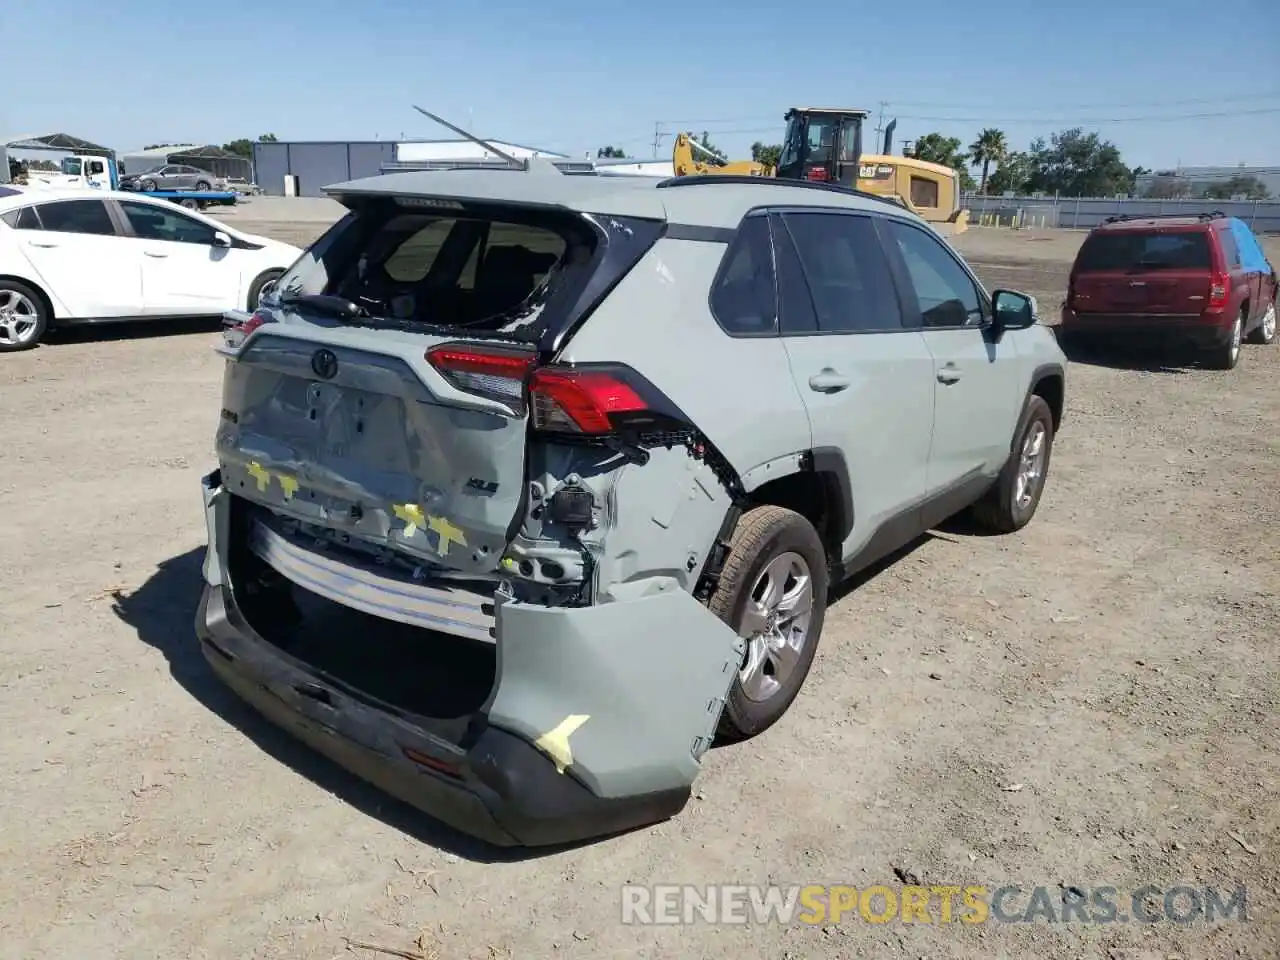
581, 401
497, 374
1219, 284
235, 333
588, 401
818, 173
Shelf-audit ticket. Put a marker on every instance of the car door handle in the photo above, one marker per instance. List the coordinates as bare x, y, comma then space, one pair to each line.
155, 253
948, 374
42, 244
827, 380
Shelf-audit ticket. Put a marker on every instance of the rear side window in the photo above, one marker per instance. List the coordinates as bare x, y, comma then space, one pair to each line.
1139, 250
473, 273
846, 271
744, 299
1230, 252
77, 216
24, 218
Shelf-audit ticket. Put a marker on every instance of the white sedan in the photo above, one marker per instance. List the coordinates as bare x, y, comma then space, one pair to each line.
87, 256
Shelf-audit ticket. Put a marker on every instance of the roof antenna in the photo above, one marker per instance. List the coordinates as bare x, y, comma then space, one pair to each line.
518, 164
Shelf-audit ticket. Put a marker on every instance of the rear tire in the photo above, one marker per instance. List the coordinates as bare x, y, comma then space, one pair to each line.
260, 286
1009, 505
24, 318
1226, 355
1265, 332
773, 591
203, 186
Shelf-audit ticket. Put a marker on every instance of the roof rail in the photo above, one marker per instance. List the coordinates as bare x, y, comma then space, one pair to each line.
1123, 217
695, 179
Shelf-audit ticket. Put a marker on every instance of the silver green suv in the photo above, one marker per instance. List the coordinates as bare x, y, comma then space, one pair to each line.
532, 486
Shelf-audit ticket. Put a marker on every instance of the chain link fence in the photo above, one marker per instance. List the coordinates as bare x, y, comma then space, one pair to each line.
1084, 213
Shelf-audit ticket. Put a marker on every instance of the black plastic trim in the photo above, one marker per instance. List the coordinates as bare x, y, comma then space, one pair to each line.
918, 518
831, 464
1039, 375
693, 231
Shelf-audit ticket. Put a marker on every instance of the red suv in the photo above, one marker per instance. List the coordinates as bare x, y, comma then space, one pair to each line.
1203, 279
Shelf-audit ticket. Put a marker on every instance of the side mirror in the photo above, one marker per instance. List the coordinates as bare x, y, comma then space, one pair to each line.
221, 239
1012, 311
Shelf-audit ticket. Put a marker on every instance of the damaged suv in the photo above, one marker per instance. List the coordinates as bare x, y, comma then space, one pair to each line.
531, 486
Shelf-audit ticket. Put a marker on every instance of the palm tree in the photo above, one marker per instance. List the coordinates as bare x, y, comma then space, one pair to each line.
990, 147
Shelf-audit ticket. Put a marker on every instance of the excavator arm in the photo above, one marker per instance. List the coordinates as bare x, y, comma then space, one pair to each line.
685, 161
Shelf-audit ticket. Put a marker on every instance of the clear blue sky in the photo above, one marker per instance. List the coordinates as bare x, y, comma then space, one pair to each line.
573, 76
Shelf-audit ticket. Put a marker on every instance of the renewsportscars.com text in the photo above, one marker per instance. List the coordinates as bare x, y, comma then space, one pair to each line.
973, 904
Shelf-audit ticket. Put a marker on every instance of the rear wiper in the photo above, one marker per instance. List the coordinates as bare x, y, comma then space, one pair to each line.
334, 306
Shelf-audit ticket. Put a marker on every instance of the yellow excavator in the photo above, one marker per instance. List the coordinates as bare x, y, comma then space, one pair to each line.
824, 144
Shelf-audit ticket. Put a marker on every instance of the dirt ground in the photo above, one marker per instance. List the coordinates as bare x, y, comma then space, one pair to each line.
1093, 702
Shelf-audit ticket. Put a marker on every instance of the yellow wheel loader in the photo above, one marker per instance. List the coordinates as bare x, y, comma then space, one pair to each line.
824, 145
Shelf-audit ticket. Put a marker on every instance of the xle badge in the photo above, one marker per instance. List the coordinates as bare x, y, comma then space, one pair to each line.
325, 364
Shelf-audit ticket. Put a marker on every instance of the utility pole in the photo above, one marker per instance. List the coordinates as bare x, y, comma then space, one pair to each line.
657, 137
880, 122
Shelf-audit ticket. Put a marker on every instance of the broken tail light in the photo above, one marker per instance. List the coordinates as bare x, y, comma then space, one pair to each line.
234, 333
1219, 285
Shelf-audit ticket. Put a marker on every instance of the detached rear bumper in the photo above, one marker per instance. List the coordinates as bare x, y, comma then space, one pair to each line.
579, 738
1174, 328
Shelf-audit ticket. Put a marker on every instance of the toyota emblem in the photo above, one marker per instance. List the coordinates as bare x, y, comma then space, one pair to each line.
325, 364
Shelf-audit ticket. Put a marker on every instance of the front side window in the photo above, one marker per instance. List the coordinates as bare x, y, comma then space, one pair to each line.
71, 166
150, 222
77, 216
846, 272
946, 294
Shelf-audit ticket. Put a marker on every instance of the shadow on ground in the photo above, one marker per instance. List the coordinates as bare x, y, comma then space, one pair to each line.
163, 612
130, 330
1140, 358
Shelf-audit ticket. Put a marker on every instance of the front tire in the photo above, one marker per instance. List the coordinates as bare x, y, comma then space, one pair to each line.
147, 186
23, 317
1265, 332
1009, 505
773, 593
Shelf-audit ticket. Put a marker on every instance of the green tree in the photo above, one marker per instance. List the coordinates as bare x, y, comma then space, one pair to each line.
705, 140
268, 138
610, 153
1012, 174
990, 147
1249, 187
766, 153
1078, 164
1167, 185
935, 148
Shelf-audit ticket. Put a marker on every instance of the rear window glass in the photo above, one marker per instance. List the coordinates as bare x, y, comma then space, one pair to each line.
486, 274
1136, 250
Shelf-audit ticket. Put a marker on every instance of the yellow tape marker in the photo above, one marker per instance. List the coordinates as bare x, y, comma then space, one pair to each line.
288, 484
412, 516
447, 532
555, 743
259, 473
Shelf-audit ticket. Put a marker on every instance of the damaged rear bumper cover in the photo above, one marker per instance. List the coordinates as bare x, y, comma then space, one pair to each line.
587, 730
